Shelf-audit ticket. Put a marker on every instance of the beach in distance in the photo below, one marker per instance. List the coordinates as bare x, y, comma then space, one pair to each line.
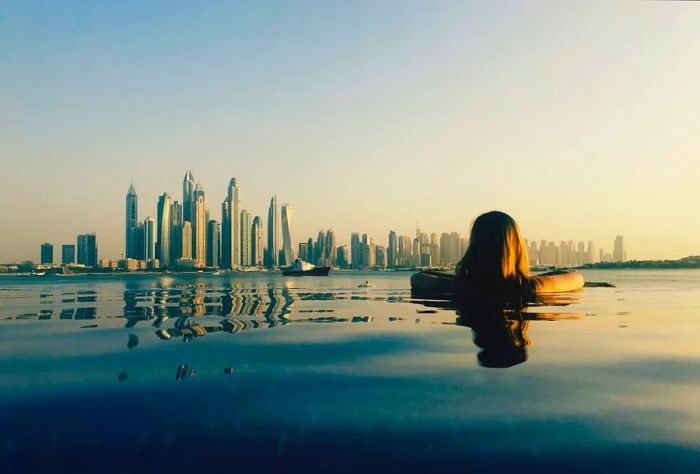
102, 372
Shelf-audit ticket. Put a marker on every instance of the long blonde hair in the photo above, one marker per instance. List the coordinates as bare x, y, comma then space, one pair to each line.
496, 251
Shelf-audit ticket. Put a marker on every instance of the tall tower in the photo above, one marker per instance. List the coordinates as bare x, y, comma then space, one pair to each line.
213, 244
246, 239
225, 234
234, 222
286, 234
272, 234
257, 242
188, 197
130, 250
331, 251
163, 231
619, 250
392, 249
175, 231
200, 227
149, 227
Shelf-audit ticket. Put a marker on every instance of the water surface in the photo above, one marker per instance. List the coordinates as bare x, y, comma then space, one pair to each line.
266, 373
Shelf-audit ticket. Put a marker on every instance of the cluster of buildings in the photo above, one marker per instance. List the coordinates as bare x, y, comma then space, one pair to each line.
570, 254
82, 253
183, 235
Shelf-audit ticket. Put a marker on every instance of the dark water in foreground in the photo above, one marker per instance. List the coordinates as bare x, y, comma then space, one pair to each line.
264, 373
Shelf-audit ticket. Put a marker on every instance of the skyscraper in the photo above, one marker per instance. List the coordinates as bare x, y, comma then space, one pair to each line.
286, 234
246, 239
619, 250
199, 230
355, 250
272, 235
257, 242
175, 231
139, 241
186, 241
392, 249
149, 230
331, 250
163, 230
233, 199
131, 249
87, 249
188, 197
68, 254
46, 253
225, 234
213, 244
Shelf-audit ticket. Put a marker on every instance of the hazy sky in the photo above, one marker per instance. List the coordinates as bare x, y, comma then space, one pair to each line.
581, 120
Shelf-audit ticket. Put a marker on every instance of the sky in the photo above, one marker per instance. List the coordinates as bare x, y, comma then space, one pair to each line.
580, 119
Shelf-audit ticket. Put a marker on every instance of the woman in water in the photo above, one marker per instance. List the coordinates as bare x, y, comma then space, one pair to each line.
495, 265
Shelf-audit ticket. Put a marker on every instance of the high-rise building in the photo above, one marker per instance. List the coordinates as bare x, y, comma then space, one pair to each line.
272, 234
619, 250
199, 229
225, 234
355, 250
87, 249
234, 222
188, 197
213, 244
149, 230
392, 249
258, 242
591, 254
68, 254
331, 249
343, 254
163, 230
175, 231
287, 234
380, 256
310, 250
131, 248
246, 239
46, 253
139, 241
186, 239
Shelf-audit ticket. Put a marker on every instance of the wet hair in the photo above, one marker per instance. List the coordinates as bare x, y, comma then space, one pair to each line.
496, 257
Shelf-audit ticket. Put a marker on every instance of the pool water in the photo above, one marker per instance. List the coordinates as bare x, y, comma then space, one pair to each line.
262, 373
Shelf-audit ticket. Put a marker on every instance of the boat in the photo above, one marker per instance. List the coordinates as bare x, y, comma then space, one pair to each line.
301, 268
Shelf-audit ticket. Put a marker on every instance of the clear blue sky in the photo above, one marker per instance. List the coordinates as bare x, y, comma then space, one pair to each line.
579, 119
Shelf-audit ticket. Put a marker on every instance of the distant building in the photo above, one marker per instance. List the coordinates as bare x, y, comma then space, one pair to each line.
392, 249
214, 244
46, 253
87, 249
355, 250
68, 254
186, 239
138, 235
380, 257
257, 242
131, 248
188, 197
199, 227
175, 231
149, 241
619, 250
343, 253
272, 234
330, 248
163, 230
287, 234
246, 240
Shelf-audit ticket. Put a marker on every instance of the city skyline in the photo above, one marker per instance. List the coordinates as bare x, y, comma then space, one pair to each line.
396, 115
203, 241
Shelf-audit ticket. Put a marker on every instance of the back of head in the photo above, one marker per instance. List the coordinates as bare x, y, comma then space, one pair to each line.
496, 254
